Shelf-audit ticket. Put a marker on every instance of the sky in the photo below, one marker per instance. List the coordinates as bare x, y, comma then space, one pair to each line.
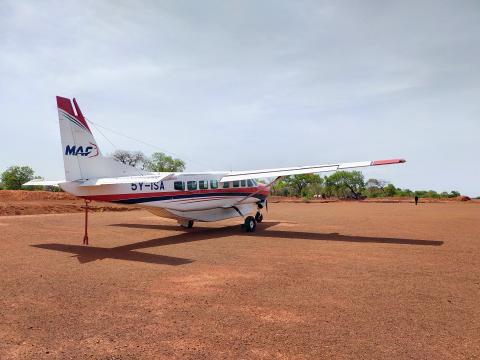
240, 85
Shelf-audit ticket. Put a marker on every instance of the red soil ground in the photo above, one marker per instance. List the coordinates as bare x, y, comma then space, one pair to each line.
24, 202
337, 280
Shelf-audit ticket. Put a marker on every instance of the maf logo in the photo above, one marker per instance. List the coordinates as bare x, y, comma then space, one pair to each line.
90, 151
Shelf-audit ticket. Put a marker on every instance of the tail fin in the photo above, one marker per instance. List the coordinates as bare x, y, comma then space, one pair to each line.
82, 158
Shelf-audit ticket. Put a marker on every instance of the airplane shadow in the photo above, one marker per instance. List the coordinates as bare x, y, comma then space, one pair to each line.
199, 233
129, 252
86, 254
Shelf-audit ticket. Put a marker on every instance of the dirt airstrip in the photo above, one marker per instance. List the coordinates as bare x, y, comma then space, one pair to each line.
318, 280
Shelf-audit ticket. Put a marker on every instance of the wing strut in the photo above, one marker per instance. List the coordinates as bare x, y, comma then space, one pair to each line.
256, 192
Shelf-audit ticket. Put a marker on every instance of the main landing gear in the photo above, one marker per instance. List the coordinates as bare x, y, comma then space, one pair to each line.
186, 224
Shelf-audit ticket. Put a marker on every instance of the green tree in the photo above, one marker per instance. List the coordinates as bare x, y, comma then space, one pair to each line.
315, 189
405, 192
390, 190
374, 188
432, 194
345, 184
280, 188
420, 193
15, 176
300, 184
159, 162
453, 194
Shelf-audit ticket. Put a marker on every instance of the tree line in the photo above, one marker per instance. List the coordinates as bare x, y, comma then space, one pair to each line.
347, 185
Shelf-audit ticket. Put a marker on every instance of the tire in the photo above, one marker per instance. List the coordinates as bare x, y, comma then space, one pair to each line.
250, 224
258, 217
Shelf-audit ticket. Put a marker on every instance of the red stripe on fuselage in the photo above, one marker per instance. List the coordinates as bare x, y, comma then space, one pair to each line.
116, 197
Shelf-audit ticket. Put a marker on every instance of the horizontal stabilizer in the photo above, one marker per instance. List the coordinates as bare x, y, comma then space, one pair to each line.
40, 182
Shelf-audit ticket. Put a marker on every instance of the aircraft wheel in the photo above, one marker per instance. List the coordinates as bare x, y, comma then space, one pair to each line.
258, 217
187, 224
250, 224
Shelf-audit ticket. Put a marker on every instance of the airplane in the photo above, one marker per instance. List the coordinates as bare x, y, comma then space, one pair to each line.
184, 196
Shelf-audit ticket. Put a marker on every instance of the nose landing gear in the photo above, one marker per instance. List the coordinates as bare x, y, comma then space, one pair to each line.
250, 222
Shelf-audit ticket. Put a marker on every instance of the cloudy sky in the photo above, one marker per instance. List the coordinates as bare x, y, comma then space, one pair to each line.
231, 85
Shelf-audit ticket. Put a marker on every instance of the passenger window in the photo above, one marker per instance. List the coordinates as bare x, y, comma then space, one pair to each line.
226, 185
191, 185
250, 183
243, 183
213, 184
236, 183
203, 184
179, 185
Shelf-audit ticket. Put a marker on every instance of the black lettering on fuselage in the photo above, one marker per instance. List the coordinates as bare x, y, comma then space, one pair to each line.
151, 186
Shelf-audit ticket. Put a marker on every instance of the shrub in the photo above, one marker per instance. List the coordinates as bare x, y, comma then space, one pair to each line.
15, 176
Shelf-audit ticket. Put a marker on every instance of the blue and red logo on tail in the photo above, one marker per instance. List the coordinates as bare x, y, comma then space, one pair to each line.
89, 150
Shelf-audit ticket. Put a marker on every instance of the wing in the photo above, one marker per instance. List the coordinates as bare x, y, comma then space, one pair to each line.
277, 173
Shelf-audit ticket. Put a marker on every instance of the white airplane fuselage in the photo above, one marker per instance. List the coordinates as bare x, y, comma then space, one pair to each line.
200, 197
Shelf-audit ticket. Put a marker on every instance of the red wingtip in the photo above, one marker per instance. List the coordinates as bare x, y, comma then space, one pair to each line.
388, 162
